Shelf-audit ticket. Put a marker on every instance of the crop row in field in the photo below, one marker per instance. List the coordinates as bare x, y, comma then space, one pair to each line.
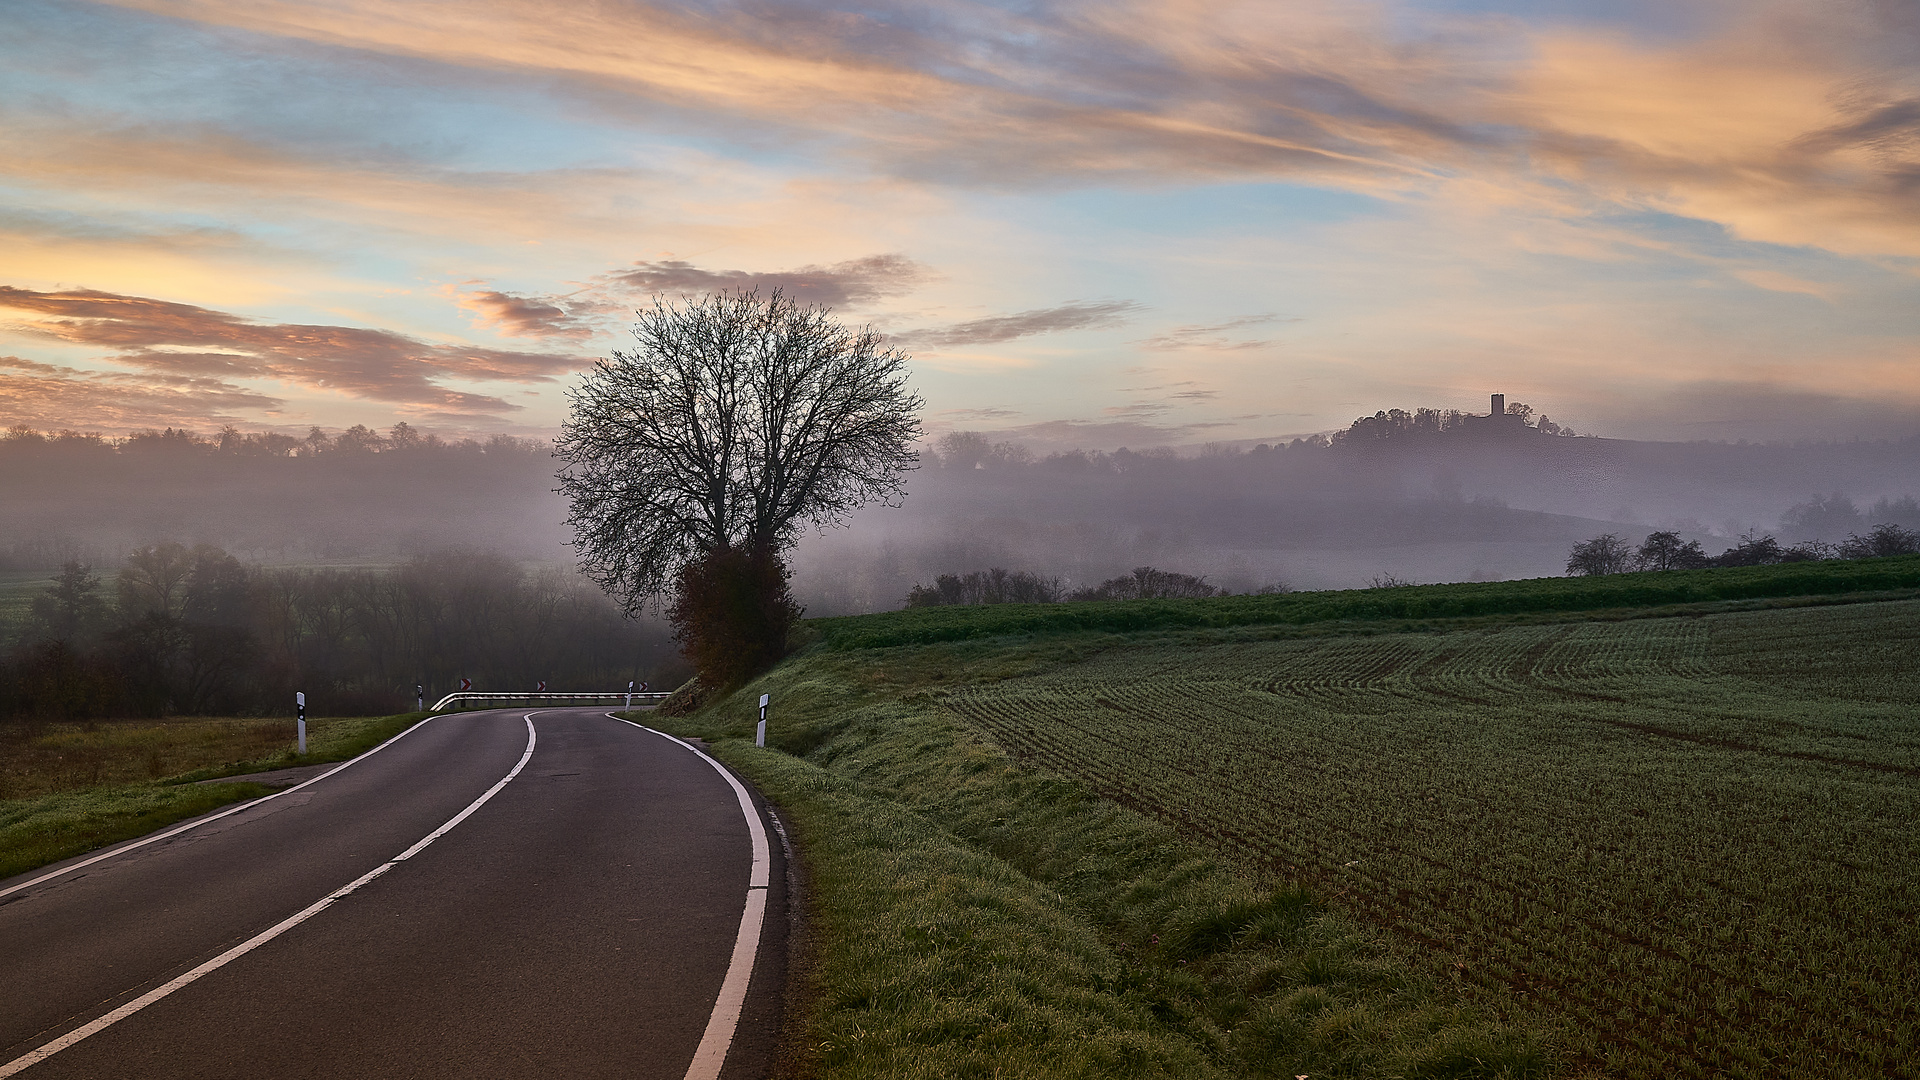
919, 626
1689, 841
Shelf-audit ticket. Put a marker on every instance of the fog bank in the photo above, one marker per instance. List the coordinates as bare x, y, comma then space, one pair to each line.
1423, 496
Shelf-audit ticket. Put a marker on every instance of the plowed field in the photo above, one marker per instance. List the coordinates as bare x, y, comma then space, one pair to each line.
1692, 842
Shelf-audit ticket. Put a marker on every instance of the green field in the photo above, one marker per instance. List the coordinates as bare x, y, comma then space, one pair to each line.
1679, 846
1403, 607
17, 590
1691, 840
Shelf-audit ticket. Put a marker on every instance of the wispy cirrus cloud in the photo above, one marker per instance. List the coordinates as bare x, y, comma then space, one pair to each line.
1077, 315
1215, 337
1776, 123
991, 412
1137, 431
164, 338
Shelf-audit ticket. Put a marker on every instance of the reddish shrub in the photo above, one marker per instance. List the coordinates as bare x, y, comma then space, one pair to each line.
731, 613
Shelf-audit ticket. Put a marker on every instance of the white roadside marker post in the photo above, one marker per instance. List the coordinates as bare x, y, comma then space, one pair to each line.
760, 734
629, 695
419, 697
300, 712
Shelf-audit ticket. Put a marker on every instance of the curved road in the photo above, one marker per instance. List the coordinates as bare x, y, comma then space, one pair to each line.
580, 918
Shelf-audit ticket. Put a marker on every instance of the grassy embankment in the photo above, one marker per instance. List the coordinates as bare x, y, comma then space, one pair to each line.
66, 789
1568, 834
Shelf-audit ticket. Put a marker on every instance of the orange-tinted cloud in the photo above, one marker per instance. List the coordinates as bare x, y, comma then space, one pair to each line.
528, 316
32, 392
1785, 126
160, 337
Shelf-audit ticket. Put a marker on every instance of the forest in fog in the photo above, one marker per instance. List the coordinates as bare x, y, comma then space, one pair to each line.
1422, 495
178, 630
1407, 496
359, 496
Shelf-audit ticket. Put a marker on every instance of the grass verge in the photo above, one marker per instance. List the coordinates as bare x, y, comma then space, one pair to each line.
68, 816
978, 918
46, 829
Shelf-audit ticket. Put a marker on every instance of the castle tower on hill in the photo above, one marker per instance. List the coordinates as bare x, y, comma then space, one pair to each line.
1497, 418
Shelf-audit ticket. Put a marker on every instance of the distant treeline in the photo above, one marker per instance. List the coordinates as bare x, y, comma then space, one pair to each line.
973, 450
25, 445
1611, 554
997, 586
1408, 606
1421, 494
194, 631
273, 497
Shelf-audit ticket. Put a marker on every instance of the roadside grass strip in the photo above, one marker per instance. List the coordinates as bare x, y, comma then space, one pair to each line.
977, 918
47, 829
68, 815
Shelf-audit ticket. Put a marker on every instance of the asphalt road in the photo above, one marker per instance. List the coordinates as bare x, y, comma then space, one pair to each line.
581, 921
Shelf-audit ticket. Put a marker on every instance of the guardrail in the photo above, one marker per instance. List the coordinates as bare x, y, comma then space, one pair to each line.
648, 699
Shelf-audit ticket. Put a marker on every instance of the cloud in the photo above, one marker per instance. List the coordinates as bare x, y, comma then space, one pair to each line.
1132, 432
1728, 409
1212, 337
956, 91
854, 282
961, 415
119, 401
1781, 132
602, 303
1783, 124
1775, 281
162, 337
1078, 315
527, 316
1139, 410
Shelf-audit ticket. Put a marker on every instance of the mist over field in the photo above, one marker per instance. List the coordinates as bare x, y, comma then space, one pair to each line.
356, 499
1423, 496
1452, 505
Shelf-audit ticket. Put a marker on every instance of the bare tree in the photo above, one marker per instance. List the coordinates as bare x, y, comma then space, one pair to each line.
1605, 554
1147, 583
738, 420
1882, 539
1666, 551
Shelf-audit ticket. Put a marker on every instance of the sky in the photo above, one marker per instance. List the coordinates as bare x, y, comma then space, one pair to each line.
1160, 222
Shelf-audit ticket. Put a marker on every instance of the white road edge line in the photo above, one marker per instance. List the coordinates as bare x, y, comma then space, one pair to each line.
197, 822
725, 1020
34, 1057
